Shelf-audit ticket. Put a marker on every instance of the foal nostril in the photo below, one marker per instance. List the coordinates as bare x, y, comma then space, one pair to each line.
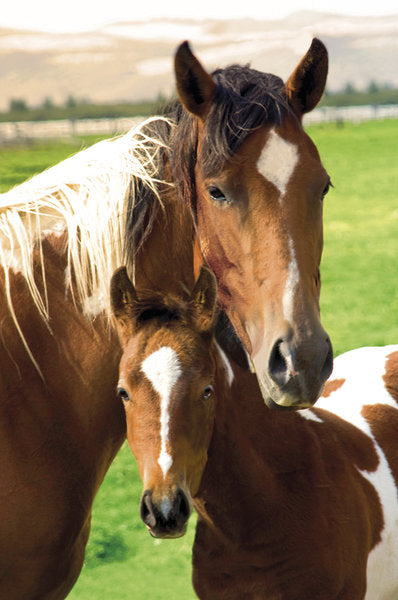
278, 368
146, 510
181, 506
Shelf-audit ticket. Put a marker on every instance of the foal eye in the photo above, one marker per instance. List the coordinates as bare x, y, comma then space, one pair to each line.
327, 187
123, 395
216, 194
207, 392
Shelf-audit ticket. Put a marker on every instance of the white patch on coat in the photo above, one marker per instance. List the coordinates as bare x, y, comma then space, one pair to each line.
292, 279
163, 370
94, 305
12, 261
227, 365
165, 507
363, 370
308, 413
277, 161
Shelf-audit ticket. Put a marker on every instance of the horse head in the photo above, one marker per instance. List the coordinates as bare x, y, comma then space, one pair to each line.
166, 383
256, 184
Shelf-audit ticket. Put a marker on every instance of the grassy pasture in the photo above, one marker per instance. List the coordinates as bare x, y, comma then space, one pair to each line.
359, 307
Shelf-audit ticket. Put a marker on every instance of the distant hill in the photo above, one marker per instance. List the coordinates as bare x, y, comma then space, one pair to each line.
132, 61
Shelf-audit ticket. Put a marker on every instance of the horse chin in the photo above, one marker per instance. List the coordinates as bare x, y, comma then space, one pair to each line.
283, 400
167, 535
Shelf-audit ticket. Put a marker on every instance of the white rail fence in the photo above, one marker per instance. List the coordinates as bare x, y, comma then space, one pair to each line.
25, 130
63, 128
352, 114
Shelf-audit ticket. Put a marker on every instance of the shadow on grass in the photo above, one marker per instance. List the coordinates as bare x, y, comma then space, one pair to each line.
106, 547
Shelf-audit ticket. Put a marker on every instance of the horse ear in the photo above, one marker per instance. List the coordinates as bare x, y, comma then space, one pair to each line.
203, 299
123, 295
194, 85
306, 85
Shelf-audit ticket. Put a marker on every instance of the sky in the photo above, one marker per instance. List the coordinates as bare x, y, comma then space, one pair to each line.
82, 15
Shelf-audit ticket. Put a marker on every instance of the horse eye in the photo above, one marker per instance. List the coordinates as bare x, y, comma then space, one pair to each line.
123, 395
207, 392
216, 194
327, 187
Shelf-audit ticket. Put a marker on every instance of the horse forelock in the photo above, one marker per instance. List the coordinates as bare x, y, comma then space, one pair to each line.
245, 99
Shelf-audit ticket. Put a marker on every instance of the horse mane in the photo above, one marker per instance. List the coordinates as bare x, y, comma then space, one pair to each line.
86, 196
143, 200
244, 100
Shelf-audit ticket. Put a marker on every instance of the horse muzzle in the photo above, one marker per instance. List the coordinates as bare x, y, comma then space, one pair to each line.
294, 373
167, 517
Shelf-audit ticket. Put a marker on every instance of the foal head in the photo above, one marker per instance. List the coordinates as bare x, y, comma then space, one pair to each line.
256, 184
166, 382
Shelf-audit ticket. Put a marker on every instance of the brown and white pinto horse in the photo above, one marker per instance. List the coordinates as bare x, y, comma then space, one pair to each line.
63, 234
300, 505
61, 423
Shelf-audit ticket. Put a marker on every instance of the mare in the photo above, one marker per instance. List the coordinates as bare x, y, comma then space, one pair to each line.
61, 424
299, 505
236, 150
240, 159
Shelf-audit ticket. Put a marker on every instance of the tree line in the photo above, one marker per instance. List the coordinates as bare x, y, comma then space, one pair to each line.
72, 108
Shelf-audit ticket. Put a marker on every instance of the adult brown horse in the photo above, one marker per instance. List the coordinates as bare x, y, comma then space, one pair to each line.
62, 235
255, 183
302, 505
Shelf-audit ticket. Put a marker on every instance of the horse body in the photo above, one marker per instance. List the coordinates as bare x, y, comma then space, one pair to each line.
60, 422
60, 428
301, 505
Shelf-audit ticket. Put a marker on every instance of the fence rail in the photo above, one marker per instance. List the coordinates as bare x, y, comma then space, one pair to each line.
25, 130
352, 114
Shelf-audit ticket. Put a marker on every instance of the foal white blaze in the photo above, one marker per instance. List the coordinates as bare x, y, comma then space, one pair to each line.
163, 369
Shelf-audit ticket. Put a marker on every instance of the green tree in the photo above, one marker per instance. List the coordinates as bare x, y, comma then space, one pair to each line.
18, 104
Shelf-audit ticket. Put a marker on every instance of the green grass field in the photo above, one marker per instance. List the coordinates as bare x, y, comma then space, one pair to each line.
359, 307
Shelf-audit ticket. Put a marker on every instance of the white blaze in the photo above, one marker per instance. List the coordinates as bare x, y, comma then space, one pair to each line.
292, 280
277, 163
163, 370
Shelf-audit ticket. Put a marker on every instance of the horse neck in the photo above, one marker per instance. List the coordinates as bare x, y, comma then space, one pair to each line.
164, 262
246, 448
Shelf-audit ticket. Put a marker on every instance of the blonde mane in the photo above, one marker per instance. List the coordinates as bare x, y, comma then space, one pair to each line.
84, 196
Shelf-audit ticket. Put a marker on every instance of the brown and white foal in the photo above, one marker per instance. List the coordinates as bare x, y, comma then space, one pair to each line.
291, 506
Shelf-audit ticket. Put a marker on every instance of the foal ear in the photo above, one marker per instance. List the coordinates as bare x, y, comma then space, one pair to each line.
194, 85
203, 299
123, 295
306, 85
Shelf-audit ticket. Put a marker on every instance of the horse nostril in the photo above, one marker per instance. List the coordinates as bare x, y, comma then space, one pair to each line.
146, 510
277, 364
183, 508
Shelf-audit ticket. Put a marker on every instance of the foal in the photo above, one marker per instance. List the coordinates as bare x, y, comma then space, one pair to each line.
294, 506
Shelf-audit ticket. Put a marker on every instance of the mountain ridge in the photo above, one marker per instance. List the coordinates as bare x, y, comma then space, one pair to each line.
132, 61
